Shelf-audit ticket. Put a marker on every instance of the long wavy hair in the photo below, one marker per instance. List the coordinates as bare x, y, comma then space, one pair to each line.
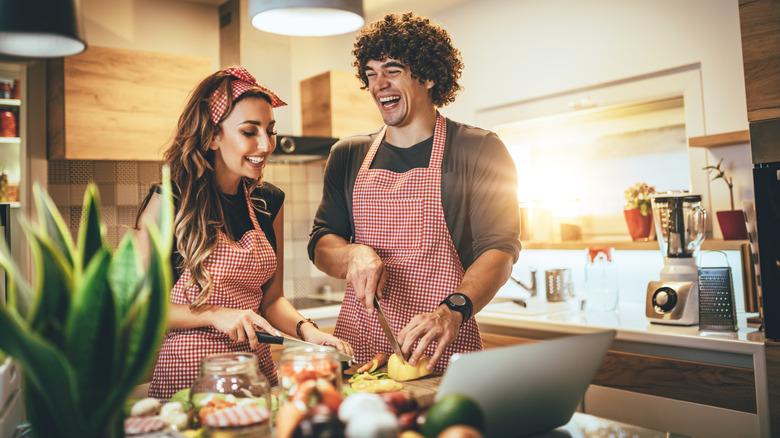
200, 215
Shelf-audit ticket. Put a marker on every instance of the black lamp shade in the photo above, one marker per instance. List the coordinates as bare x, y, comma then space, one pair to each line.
39, 28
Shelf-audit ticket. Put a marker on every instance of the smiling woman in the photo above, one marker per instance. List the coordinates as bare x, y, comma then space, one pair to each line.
228, 234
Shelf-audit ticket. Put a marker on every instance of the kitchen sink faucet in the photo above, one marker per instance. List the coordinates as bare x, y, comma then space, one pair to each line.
532, 287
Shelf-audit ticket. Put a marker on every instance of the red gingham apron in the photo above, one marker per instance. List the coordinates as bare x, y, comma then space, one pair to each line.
239, 270
400, 216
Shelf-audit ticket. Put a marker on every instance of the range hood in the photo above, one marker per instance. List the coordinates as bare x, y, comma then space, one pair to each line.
295, 149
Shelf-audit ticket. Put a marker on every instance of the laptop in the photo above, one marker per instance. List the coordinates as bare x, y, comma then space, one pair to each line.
530, 388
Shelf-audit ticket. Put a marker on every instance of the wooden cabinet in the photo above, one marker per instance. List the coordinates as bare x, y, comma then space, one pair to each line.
760, 28
117, 104
333, 105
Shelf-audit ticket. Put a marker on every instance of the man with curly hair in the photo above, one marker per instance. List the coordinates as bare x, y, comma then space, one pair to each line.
422, 213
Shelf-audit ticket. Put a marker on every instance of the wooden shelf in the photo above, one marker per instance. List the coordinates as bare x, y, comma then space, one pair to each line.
707, 245
718, 140
10, 140
11, 102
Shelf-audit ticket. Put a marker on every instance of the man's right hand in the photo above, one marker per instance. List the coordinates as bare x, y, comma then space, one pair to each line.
366, 273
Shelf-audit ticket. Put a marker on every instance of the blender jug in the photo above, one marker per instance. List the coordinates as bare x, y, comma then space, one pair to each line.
680, 223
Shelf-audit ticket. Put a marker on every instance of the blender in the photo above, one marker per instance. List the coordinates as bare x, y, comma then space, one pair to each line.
680, 225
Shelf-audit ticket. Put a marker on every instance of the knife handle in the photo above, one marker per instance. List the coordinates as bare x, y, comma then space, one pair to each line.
267, 338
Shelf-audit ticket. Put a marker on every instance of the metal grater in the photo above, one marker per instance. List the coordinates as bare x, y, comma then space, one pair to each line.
716, 300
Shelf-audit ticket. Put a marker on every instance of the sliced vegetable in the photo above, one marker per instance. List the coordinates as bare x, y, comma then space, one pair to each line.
401, 370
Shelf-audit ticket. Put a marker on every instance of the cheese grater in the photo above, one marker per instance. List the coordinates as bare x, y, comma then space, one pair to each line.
716, 300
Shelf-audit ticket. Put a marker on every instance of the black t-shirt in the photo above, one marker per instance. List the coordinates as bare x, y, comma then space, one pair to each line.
237, 212
478, 188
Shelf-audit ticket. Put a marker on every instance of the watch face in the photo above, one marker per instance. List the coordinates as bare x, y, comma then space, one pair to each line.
458, 300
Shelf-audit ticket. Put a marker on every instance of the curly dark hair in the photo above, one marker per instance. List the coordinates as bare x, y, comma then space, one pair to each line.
424, 47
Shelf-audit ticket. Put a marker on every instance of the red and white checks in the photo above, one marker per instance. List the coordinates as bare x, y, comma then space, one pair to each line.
400, 216
239, 270
243, 82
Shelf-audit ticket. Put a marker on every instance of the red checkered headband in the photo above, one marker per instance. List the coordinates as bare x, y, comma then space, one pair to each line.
243, 82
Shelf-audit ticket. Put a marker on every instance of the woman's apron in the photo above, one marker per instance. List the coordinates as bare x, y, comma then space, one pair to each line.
400, 216
239, 270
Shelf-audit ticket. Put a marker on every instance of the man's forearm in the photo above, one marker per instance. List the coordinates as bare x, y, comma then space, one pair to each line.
485, 276
331, 255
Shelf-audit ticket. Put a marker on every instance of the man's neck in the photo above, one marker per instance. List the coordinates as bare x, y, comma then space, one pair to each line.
410, 134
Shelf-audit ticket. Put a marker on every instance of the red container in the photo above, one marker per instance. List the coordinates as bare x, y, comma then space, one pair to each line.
732, 224
7, 124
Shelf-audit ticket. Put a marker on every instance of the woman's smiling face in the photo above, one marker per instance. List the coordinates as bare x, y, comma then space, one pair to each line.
245, 140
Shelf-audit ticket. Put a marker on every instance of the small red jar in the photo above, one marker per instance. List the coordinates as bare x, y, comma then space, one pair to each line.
7, 124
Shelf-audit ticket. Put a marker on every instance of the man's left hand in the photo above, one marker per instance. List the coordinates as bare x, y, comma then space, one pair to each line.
440, 326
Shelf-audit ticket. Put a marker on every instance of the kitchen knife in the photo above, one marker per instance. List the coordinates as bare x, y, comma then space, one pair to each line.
292, 342
388, 331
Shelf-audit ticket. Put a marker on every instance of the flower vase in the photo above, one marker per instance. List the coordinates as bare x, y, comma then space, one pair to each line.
639, 225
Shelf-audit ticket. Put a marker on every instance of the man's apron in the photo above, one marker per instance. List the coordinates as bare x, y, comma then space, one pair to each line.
400, 216
239, 270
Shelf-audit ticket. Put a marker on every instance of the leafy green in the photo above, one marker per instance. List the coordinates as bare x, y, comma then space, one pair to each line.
88, 330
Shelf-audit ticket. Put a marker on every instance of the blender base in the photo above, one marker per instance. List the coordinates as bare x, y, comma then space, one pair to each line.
672, 302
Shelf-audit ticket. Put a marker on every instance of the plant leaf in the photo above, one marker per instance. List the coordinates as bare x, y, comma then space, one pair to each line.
19, 295
125, 275
149, 327
53, 288
90, 335
52, 225
90, 230
45, 369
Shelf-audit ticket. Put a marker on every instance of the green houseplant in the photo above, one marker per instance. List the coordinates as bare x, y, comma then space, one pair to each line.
638, 211
731, 222
86, 332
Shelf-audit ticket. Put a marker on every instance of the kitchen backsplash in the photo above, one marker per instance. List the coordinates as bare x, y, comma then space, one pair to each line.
124, 184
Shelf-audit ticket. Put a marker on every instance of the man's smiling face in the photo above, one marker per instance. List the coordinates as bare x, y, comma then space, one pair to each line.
398, 96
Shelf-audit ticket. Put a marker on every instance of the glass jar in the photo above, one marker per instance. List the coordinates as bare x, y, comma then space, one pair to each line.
309, 376
232, 398
601, 281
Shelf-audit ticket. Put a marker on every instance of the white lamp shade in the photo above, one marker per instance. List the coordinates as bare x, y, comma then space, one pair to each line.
39, 28
306, 17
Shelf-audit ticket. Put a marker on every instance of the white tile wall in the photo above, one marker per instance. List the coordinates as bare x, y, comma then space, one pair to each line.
302, 183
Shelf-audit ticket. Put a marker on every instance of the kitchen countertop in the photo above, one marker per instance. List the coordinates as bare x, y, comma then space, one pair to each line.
629, 320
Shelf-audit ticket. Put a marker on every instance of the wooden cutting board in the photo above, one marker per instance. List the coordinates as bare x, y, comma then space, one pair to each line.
422, 390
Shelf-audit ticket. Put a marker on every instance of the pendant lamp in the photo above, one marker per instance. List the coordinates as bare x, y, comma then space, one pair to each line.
306, 17
39, 28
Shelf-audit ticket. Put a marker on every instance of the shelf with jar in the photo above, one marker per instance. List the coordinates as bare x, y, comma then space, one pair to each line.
9, 114
10, 105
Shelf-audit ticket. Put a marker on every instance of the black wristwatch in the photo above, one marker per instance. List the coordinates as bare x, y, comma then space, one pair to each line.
460, 303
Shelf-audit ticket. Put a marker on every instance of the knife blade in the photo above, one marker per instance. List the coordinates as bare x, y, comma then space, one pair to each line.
388, 331
286, 342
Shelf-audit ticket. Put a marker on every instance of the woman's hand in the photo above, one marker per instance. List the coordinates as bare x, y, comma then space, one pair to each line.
317, 336
240, 325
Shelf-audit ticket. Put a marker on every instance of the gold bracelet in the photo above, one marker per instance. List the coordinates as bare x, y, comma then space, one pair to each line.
298, 327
